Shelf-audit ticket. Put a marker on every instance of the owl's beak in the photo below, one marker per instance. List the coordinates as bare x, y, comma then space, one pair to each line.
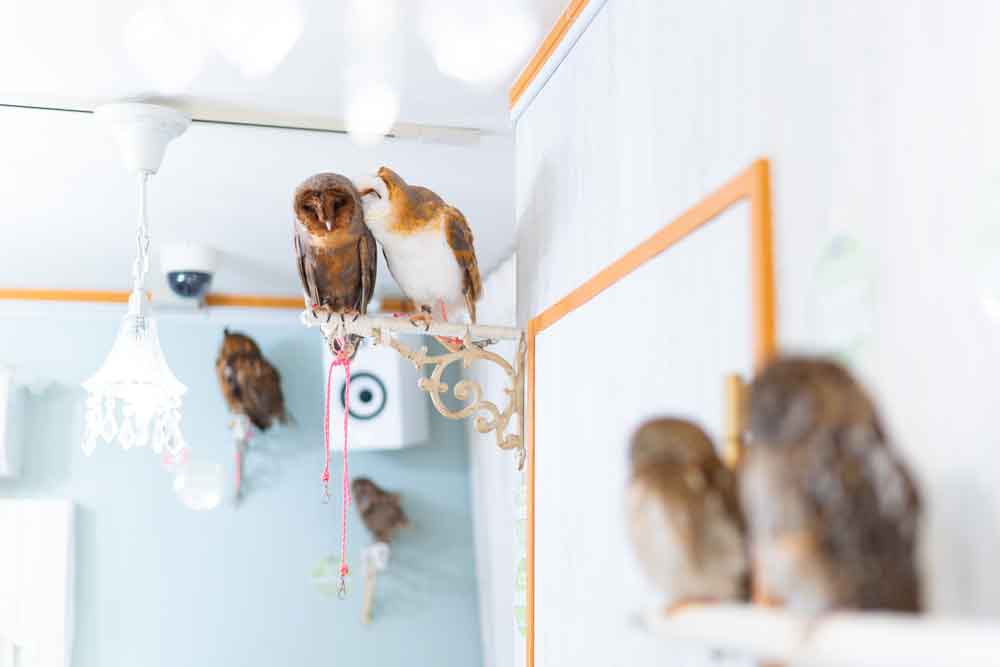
329, 225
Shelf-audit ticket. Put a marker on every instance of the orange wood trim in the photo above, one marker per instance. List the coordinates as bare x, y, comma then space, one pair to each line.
250, 301
700, 214
396, 304
72, 296
753, 185
762, 264
111, 296
544, 52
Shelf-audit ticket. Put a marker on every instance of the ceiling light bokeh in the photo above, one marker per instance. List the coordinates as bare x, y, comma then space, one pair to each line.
254, 36
372, 109
479, 43
67, 55
369, 21
163, 49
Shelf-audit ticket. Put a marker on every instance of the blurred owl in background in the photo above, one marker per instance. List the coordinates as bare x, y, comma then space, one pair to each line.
335, 254
249, 383
380, 510
683, 514
833, 514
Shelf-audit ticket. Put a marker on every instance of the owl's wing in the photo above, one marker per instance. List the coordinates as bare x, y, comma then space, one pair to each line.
224, 373
302, 264
258, 387
460, 239
368, 252
866, 510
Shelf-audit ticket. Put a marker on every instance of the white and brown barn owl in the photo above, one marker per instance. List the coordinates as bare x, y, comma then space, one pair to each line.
832, 513
683, 514
335, 252
427, 244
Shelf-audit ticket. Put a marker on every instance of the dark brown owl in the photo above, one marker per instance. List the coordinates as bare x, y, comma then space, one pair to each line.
832, 512
683, 514
250, 384
380, 510
335, 253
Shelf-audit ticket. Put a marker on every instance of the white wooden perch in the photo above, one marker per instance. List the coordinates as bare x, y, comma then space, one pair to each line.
475, 338
373, 326
862, 639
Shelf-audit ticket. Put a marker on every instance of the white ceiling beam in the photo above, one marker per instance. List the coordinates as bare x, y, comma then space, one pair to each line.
202, 112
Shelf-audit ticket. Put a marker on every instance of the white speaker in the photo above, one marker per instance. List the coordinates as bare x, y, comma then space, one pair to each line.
11, 420
387, 409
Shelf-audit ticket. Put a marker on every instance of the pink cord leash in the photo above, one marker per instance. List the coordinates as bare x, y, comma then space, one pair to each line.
342, 359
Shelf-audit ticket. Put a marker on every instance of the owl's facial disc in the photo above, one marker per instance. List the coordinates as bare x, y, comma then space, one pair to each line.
335, 209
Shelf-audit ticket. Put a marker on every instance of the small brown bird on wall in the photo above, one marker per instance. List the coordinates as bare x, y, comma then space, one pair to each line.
832, 512
380, 510
683, 514
249, 383
427, 244
335, 252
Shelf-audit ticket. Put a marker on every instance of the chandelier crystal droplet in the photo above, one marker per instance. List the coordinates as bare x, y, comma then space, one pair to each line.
134, 397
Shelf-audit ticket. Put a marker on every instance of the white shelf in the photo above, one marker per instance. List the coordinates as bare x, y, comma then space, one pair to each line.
855, 639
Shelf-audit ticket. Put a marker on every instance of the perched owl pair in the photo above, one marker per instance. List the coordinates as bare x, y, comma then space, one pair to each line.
821, 506
427, 245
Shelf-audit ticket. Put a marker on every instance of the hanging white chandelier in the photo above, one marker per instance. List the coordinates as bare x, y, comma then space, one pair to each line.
134, 397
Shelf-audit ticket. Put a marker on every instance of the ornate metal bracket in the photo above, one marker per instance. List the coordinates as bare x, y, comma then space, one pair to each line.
467, 345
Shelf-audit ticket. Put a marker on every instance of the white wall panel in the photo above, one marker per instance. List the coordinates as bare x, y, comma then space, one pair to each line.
879, 119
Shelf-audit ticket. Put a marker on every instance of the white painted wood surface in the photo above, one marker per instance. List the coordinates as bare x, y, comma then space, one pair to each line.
859, 640
11, 424
688, 314
37, 564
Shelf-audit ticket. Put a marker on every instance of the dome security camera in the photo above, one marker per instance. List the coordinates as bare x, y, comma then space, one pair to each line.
189, 269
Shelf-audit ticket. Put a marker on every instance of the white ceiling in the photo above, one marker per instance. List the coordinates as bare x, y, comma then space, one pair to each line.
67, 205
66, 51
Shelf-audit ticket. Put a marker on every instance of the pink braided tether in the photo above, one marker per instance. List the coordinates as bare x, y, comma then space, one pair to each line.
342, 359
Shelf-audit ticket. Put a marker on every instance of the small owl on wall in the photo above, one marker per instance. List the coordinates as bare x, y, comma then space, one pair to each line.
335, 252
833, 514
427, 244
380, 510
683, 514
249, 383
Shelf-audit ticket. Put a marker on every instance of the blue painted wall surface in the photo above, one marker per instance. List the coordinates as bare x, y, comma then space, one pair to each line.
159, 585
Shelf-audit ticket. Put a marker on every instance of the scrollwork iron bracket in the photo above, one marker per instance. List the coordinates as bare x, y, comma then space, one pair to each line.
495, 417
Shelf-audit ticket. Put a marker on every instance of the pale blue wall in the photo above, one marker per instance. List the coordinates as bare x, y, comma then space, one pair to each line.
159, 585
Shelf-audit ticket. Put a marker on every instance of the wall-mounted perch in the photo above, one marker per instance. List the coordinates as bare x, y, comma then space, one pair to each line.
489, 416
860, 639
